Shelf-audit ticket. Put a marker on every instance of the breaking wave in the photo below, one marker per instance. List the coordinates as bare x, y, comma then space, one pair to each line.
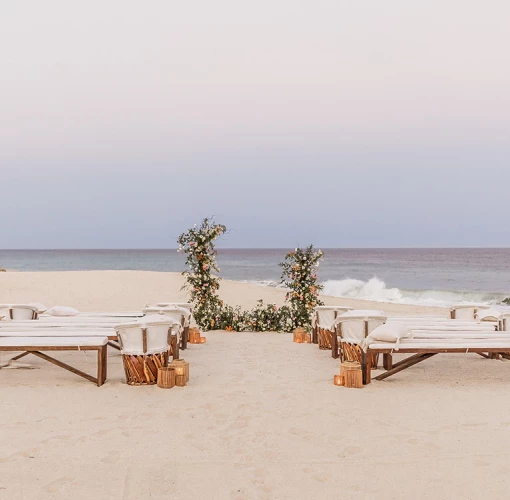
376, 290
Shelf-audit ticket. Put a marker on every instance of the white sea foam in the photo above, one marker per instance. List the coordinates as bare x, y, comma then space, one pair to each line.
376, 290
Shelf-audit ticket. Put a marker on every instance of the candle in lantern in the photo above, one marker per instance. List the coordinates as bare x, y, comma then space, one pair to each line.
179, 370
338, 380
203, 340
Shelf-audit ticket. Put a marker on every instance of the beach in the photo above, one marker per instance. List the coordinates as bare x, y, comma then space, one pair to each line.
260, 418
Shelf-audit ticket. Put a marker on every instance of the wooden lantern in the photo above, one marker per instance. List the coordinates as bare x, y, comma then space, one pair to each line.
338, 380
308, 338
299, 335
181, 367
203, 340
194, 336
166, 377
352, 374
180, 380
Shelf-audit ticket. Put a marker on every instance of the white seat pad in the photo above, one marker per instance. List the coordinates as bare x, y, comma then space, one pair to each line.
492, 343
59, 332
52, 341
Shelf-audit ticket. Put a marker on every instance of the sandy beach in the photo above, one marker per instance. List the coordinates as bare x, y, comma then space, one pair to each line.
260, 418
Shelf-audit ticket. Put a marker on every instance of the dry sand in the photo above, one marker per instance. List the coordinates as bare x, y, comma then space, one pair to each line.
260, 418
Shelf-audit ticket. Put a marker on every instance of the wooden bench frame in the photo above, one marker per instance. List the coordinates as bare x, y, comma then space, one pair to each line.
36, 351
419, 355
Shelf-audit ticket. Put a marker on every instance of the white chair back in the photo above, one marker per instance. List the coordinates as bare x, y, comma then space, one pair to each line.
355, 329
466, 312
18, 312
139, 339
184, 305
178, 314
326, 315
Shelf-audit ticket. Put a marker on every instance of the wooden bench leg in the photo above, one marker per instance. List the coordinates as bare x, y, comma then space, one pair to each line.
184, 339
365, 367
19, 356
406, 363
315, 336
102, 365
65, 366
334, 345
175, 347
387, 361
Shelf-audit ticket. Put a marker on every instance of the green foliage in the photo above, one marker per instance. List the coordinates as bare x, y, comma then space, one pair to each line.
198, 245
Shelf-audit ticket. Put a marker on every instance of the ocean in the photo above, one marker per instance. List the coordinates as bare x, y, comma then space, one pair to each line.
414, 276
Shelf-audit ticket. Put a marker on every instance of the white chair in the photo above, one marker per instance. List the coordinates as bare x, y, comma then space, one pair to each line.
145, 348
353, 329
466, 312
179, 314
322, 321
19, 312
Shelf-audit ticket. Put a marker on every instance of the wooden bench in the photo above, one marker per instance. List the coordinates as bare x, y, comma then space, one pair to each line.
35, 346
495, 345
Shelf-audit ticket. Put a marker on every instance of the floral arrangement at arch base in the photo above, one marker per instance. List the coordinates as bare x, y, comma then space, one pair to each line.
210, 313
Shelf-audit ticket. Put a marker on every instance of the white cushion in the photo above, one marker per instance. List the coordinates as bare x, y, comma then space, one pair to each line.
389, 332
386, 333
62, 311
52, 341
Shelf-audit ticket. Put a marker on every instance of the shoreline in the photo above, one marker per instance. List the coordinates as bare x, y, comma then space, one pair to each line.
132, 290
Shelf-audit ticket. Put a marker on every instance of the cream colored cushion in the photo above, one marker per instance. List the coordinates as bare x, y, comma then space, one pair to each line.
62, 311
386, 333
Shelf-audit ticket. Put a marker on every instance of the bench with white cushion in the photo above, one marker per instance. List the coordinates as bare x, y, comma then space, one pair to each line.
427, 344
35, 345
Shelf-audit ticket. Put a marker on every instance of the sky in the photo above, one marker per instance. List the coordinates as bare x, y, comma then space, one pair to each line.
337, 123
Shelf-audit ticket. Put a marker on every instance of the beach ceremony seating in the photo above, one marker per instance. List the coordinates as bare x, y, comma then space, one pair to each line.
322, 320
424, 342
18, 312
84, 332
145, 348
39, 345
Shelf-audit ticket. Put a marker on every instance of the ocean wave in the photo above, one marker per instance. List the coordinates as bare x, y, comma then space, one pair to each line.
270, 283
376, 290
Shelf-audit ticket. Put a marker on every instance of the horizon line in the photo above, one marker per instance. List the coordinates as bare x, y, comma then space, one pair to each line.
257, 248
